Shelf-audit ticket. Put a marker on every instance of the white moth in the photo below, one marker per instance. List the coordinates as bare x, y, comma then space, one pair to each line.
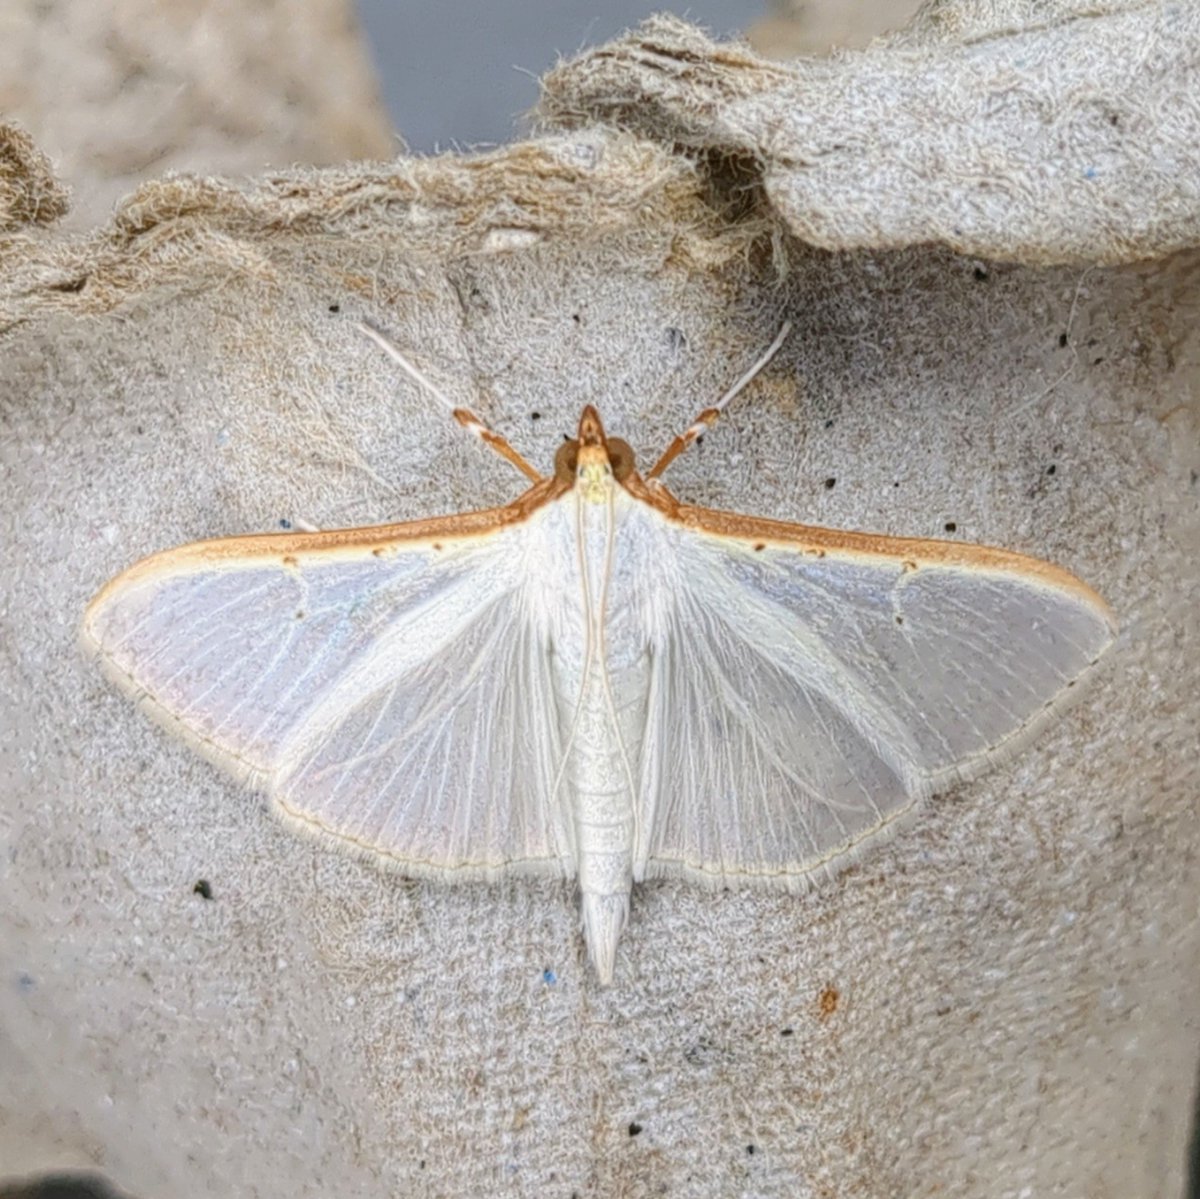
598, 682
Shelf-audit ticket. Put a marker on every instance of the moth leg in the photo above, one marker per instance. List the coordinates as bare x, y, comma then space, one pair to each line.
709, 416
464, 416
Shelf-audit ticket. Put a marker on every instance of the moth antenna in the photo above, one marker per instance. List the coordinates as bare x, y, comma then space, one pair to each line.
709, 416
464, 416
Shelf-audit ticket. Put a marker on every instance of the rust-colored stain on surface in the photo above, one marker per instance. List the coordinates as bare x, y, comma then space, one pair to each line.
827, 1003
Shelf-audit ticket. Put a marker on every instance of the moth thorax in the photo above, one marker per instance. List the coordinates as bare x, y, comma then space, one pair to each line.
594, 474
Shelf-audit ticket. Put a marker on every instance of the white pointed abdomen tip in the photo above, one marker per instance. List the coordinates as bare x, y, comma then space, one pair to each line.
604, 919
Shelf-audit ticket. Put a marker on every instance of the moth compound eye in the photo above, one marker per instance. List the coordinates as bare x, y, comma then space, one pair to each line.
566, 460
620, 457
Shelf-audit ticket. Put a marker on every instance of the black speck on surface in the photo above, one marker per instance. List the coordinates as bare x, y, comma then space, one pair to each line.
203, 889
634, 1128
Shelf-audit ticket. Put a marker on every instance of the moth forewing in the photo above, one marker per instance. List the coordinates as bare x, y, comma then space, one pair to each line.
262, 651
838, 678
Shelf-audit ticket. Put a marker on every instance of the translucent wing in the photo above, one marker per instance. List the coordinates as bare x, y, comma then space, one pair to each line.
381, 685
815, 685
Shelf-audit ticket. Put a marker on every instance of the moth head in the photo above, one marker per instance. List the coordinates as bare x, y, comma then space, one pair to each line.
593, 459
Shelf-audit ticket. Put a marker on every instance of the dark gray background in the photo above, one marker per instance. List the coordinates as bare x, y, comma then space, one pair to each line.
452, 75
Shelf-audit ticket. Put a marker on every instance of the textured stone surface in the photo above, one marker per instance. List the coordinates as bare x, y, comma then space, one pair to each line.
1069, 139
